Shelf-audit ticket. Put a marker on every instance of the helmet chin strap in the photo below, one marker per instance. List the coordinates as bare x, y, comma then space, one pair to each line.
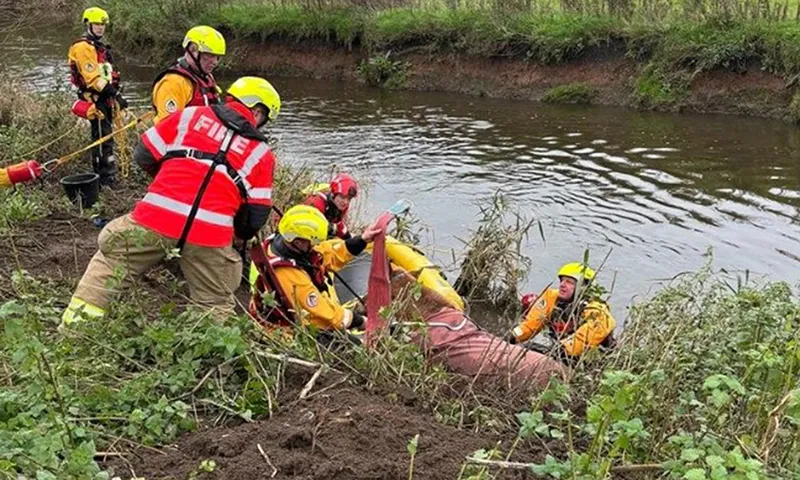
196, 59
90, 32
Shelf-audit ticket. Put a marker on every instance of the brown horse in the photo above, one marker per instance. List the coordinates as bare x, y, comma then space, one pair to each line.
450, 337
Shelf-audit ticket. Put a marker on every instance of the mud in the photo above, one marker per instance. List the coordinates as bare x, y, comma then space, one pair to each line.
606, 70
59, 246
345, 433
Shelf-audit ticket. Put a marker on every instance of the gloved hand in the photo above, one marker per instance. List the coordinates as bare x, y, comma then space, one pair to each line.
123, 104
94, 113
371, 232
359, 321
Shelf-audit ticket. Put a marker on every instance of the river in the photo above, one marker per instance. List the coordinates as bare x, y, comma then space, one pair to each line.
652, 191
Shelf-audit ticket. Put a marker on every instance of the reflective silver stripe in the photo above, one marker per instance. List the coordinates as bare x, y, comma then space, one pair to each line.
226, 140
253, 158
184, 209
183, 127
260, 193
155, 139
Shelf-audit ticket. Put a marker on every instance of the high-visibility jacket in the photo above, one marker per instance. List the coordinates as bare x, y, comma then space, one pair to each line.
179, 153
305, 283
180, 86
590, 326
91, 65
336, 218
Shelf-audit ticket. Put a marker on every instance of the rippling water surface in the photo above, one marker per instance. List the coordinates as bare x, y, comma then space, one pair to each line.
654, 191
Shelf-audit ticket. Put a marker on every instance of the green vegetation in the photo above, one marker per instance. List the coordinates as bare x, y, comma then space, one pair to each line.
65, 394
704, 384
794, 107
654, 88
382, 71
496, 246
695, 36
579, 93
37, 126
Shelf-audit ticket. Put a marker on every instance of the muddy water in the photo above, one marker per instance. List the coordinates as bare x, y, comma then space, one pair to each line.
654, 192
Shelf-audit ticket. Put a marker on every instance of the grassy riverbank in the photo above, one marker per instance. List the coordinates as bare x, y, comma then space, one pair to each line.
704, 384
664, 48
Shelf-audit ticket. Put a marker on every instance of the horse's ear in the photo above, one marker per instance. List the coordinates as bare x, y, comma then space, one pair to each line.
400, 279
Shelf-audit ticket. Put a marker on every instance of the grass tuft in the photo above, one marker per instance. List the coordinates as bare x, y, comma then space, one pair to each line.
579, 93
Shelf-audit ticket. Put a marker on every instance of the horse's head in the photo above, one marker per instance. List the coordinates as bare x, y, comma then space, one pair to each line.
413, 300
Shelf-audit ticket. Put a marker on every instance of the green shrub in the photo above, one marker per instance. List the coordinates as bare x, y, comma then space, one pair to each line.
382, 71
579, 93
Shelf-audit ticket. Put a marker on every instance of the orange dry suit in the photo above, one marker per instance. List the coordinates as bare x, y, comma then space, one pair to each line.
93, 73
576, 329
300, 284
181, 86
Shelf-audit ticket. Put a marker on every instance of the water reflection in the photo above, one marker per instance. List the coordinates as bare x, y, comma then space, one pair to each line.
654, 189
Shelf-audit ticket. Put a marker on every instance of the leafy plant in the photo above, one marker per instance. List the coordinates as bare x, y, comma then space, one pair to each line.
382, 71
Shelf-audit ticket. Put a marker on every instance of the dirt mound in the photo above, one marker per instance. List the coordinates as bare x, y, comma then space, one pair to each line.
348, 434
58, 247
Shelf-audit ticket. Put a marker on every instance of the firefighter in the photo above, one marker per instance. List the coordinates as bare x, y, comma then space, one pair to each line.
189, 82
576, 321
93, 72
213, 172
293, 266
334, 203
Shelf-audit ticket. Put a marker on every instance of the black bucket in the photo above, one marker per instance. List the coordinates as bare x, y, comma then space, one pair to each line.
83, 188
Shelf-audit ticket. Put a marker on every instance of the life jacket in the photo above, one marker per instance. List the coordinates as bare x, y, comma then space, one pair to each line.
105, 62
267, 258
205, 92
323, 201
564, 321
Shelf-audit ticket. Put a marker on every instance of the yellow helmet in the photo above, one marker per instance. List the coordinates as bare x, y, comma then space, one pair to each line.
254, 90
95, 15
207, 40
576, 270
304, 221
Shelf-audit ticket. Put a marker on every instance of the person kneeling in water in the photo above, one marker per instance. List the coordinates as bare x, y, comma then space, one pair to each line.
294, 267
576, 322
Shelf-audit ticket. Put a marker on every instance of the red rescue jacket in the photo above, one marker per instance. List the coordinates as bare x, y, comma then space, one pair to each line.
336, 217
238, 197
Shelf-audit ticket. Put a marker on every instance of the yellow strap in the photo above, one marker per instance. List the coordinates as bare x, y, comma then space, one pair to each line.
27, 155
123, 147
62, 160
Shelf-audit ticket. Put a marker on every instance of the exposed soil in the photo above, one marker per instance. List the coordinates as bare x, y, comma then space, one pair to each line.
339, 432
606, 70
59, 246
346, 433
